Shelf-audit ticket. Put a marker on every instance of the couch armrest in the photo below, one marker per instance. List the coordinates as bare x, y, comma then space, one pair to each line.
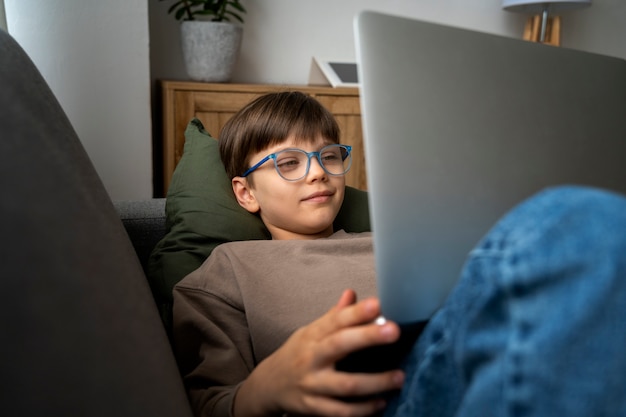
144, 221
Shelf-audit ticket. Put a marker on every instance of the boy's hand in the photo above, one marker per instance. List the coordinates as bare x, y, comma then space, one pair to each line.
300, 377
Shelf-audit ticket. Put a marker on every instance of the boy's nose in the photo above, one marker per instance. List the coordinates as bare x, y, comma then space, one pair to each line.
315, 169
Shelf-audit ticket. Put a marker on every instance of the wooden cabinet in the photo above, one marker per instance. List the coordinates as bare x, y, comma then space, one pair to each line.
214, 104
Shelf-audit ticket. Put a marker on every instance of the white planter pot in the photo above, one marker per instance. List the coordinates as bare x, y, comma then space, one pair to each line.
210, 49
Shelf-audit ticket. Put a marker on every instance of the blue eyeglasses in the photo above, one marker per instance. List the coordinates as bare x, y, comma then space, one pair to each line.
293, 164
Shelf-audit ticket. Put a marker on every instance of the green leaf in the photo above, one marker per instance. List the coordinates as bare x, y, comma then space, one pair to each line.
174, 6
209, 13
221, 10
238, 6
180, 13
235, 15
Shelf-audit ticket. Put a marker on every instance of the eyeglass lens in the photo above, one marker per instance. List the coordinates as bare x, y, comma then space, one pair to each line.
293, 164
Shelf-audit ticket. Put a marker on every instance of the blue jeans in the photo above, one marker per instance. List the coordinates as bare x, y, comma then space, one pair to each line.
537, 323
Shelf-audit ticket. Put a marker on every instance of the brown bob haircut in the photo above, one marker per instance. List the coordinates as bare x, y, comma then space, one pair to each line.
268, 121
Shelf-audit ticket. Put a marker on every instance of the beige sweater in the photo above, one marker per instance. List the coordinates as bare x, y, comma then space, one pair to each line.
248, 297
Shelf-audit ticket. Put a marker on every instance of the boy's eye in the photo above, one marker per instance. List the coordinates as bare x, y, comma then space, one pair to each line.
331, 157
287, 164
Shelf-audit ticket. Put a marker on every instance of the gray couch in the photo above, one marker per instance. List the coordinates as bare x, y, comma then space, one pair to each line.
144, 221
81, 334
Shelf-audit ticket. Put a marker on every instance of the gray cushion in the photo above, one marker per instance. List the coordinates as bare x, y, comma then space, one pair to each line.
80, 331
144, 221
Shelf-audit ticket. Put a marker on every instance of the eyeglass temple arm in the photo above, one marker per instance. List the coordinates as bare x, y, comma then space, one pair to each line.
258, 164
349, 148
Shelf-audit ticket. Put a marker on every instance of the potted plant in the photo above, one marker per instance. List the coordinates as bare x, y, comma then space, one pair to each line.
211, 34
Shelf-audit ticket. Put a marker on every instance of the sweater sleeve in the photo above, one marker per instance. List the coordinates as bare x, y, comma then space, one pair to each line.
211, 337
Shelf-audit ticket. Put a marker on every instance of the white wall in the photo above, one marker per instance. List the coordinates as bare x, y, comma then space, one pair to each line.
95, 57
99, 57
281, 36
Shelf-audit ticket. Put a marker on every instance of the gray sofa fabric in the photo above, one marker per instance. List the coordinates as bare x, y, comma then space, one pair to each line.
144, 221
81, 335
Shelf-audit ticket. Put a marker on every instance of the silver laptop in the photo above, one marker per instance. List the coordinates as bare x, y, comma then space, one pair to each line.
461, 126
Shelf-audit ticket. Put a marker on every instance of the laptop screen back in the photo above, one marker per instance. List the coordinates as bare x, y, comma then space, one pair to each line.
461, 126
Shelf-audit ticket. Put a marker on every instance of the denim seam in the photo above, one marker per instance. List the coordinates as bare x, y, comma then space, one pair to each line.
500, 249
516, 402
516, 350
406, 407
494, 254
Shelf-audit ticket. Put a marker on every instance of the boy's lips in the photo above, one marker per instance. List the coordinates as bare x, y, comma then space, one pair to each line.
319, 196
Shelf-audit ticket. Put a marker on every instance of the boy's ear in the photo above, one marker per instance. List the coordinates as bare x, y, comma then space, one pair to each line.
244, 194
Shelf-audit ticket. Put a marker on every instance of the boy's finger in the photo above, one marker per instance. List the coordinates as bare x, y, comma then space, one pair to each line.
348, 297
354, 385
363, 312
329, 406
343, 342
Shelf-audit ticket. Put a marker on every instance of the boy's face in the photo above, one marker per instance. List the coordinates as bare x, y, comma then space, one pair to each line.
303, 209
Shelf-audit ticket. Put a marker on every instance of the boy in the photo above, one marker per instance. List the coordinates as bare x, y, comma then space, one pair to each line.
253, 333
534, 327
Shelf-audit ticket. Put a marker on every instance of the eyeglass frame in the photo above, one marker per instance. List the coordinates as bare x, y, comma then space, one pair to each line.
309, 155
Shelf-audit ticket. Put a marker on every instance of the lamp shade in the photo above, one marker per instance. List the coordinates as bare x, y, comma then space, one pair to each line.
538, 6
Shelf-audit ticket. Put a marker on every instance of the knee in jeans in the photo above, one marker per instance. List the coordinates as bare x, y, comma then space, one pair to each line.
601, 210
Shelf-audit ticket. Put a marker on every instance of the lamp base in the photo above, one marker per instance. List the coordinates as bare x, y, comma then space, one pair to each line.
552, 36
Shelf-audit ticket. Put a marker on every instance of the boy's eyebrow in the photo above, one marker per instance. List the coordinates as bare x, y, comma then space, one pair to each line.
316, 142
313, 149
297, 145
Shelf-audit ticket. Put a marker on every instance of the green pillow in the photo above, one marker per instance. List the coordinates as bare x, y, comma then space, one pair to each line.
202, 212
